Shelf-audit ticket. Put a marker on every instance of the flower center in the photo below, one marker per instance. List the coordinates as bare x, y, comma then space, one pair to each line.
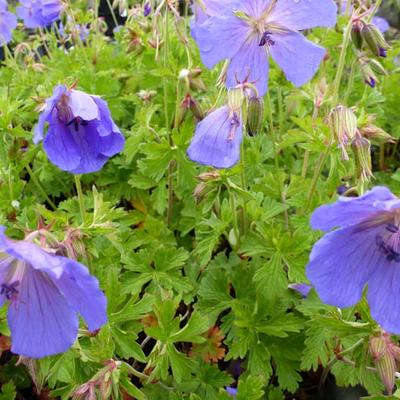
235, 123
9, 287
388, 243
77, 121
9, 290
266, 39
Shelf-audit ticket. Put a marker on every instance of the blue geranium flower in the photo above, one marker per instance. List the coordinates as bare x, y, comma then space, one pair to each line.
82, 135
363, 250
39, 13
8, 22
45, 293
247, 32
217, 139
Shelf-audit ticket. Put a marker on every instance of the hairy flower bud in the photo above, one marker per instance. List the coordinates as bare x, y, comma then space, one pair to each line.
376, 134
374, 39
209, 176
235, 98
343, 125
356, 35
255, 114
384, 353
367, 73
377, 67
200, 191
362, 151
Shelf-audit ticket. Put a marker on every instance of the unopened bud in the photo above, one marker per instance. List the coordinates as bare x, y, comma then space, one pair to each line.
200, 191
376, 134
356, 35
374, 39
377, 347
189, 103
362, 152
381, 349
209, 176
255, 115
235, 98
377, 67
368, 74
343, 125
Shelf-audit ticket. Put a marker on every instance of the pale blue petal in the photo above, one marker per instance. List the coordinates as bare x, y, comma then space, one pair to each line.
40, 320
212, 145
304, 14
348, 211
298, 57
82, 292
220, 38
251, 62
342, 262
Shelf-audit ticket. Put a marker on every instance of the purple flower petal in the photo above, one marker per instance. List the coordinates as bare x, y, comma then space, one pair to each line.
231, 391
298, 57
46, 113
217, 139
61, 147
381, 23
221, 38
39, 13
41, 322
81, 135
82, 293
46, 292
90, 148
351, 210
83, 106
8, 22
304, 14
383, 296
251, 63
301, 288
341, 264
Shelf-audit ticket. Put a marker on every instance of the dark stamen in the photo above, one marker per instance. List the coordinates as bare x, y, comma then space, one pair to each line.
76, 121
392, 228
9, 290
266, 39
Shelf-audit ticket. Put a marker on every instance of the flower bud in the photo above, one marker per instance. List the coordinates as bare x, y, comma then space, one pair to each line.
209, 176
356, 35
368, 74
362, 152
200, 191
235, 98
374, 39
377, 67
376, 134
255, 114
383, 352
343, 125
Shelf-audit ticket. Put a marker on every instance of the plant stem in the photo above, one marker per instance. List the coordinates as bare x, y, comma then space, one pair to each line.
44, 42
317, 172
40, 187
337, 357
114, 18
341, 64
170, 140
335, 97
272, 130
78, 186
244, 187
233, 207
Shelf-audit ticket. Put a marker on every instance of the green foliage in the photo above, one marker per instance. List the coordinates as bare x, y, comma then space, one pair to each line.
178, 253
